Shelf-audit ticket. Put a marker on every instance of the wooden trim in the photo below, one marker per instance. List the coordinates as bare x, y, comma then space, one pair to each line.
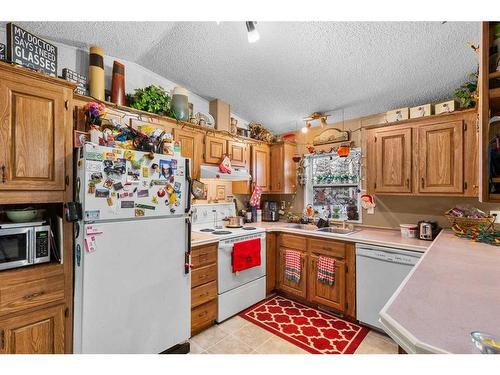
27, 73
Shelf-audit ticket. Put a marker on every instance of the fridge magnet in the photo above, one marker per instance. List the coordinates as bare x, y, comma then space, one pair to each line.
220, 192
123, 195
102, 193
94, 166
108, 183
127, 204
90, 244
79, 138
139, 212
145, 206
92, 215
177, 148
113, 193
118, 186
161, 193
134, 175
145, 183
96, 178
91, 189
110, 201
166, 169
143, 193
97, 156
154, 199
145, 172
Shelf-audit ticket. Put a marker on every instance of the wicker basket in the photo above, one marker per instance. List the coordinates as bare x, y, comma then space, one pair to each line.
471, 223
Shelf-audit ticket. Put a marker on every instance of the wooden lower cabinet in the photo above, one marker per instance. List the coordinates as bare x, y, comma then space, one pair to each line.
323, 294
38, 332
297, 289
203, 287
339, 297
271, 262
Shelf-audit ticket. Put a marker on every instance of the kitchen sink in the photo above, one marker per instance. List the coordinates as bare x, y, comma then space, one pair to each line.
337, 230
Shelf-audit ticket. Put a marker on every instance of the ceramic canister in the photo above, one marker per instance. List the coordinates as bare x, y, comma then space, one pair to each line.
180, 104
96, 73
118, 84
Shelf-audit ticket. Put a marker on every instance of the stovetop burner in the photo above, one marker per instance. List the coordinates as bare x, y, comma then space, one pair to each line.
221, 232
248, 228
206, 230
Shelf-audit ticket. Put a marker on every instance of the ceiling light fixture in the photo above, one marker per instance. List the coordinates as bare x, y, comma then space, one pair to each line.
253, 34
306, 127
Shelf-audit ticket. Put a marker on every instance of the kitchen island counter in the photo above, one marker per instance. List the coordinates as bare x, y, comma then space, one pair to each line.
452, 291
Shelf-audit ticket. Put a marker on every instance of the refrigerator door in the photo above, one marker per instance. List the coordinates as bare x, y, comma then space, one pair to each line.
132, 294
115, 183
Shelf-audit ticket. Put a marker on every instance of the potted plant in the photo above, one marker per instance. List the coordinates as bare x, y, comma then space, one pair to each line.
153, 99
467, 93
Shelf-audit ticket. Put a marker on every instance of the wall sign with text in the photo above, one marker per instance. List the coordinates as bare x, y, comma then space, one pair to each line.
2, 52
26, 49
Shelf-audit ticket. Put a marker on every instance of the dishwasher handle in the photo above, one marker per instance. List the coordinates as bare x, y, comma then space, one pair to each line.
389, 256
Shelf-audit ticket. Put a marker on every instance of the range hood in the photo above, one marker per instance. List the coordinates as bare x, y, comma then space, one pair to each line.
212, 172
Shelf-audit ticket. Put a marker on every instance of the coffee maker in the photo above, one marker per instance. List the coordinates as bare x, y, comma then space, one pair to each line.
270, 211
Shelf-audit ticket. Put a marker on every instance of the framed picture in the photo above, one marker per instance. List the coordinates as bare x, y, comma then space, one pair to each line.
220, 192
79, 138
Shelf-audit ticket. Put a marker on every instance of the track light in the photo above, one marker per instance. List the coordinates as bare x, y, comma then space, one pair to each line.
253, 34
306, 127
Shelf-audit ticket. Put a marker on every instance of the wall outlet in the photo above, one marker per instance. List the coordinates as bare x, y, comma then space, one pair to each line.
497, 221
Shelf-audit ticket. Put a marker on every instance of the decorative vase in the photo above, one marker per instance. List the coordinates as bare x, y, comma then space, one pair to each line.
96, 73
343, 151
118, 84
180, 104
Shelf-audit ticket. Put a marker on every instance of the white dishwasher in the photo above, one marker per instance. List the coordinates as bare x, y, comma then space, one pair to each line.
379, 272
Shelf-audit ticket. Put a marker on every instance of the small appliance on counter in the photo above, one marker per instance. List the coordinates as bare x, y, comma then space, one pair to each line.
270, 211
428, 230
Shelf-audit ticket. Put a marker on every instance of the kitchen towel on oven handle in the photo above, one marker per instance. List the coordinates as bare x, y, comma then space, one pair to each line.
246, 254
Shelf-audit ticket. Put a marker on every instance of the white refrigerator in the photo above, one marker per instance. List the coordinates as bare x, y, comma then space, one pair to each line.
132, 290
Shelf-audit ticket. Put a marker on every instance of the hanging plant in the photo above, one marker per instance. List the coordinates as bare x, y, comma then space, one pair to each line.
153, 99
94, 113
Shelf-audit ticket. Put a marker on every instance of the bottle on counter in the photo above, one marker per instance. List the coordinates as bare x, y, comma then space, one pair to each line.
259, 215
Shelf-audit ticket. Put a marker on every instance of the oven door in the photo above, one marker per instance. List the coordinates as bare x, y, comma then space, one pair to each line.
227, 279
15, 247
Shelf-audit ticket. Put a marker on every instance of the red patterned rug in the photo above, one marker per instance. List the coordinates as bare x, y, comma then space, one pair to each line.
312, 330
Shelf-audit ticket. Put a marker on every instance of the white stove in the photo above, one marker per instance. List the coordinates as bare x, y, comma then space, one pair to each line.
236, 291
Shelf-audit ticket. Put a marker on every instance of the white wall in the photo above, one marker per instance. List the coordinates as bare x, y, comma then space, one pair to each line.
136, 76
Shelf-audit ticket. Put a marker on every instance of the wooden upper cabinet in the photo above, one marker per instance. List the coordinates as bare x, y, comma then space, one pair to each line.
327, 295
260, 166
215, 148
35, 125
39, 332
239, 153
190, 148
283, 168
441, 157
393, 158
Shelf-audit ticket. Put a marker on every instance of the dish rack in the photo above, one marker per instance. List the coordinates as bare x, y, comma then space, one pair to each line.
464, 223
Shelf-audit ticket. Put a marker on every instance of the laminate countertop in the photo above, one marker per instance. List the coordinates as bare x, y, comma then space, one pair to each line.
453, 290
372, 236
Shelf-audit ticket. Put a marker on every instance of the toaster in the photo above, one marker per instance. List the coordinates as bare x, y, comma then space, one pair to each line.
428, 230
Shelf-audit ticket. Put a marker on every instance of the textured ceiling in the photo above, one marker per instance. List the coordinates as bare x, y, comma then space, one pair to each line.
295, 68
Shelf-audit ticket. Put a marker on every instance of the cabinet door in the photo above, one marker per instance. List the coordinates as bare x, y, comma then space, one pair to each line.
39, 332
260, 166
276, 165
297, 289
238, 153
190, 148
393, 161
331, 296
289, 169
33, 127
441, 157
215, 148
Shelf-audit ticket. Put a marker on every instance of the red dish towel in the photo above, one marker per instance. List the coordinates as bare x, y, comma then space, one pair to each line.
246, 254
326, 270
293, 265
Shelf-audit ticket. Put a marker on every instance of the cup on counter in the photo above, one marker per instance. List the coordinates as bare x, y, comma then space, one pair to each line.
408, 230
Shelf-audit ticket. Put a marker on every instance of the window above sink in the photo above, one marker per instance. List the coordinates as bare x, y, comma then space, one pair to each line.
333, 185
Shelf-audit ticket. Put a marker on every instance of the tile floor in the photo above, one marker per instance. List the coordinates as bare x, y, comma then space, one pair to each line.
238, 336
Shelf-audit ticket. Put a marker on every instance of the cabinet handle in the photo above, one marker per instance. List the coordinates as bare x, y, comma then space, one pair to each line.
2, 339
33, 295
407, 182
66, 104
202, 314
423, 182
3, 174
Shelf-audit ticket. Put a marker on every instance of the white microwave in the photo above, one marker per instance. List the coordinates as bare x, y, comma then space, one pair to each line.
25, 245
